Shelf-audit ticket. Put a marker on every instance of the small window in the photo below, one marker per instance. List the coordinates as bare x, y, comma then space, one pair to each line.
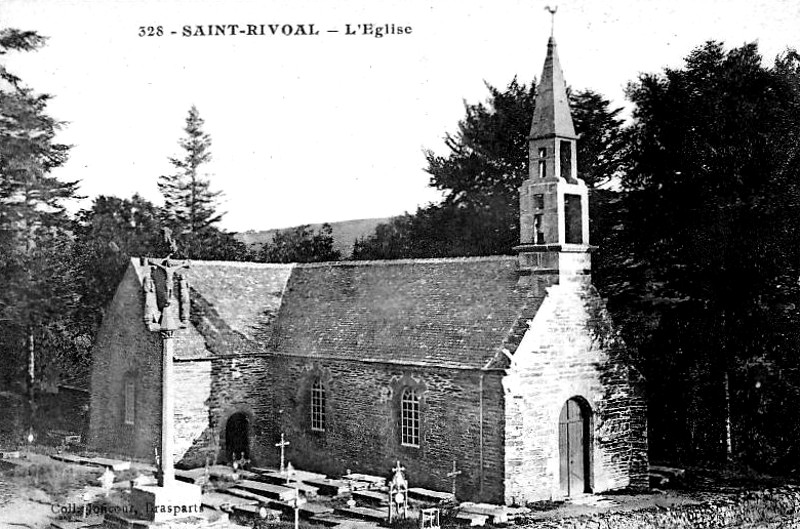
409, 410
538, 228
318, 406
542, 163
130, 401
566, 161
573, 219
538, 201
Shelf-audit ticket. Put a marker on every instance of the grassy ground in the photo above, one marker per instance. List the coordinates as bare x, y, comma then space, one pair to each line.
33, 486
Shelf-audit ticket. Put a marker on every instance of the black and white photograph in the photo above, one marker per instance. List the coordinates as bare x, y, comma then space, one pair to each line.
519, 264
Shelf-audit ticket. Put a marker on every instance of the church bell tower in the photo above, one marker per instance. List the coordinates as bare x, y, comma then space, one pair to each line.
554, 202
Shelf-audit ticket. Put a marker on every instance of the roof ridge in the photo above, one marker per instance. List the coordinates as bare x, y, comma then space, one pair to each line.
344, 263
234, 264
423, 260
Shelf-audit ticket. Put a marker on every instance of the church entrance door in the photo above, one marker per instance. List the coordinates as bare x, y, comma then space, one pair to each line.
573, 448
237, 436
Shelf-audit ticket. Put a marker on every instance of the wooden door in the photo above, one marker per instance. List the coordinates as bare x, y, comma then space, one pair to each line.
573, 450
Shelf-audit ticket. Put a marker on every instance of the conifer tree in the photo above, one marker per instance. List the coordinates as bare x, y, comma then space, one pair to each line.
36, 290
189, 204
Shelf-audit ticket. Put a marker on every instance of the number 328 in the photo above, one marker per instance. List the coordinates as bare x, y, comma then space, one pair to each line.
151, 31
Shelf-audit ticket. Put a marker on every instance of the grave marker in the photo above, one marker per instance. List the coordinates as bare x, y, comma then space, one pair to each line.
454, 474
398, 494
429, 519
283, 444
290, 474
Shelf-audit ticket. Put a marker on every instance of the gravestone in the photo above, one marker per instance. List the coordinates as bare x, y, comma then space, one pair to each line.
398, 494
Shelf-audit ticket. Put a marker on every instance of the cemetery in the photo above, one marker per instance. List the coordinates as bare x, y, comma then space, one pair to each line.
99, 492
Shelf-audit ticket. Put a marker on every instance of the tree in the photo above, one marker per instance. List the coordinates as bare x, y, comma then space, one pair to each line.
711, 230
601, 152
481, 175
35, 280
300, 244
107, 236
213, 244
189, 204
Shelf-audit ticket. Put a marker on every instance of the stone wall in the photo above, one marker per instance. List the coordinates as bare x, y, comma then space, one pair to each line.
241, 385
570, 351
192, 395
362, 419
124, 350
750, 510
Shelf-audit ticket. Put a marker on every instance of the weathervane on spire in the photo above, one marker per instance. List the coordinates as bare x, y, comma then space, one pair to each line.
552, 11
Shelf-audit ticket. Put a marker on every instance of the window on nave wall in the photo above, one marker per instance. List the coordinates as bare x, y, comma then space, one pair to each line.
130, 401
410, 419
318, 406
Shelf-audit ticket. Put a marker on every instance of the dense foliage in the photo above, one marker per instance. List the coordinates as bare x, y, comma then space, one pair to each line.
710, 281
35, 286
300, 244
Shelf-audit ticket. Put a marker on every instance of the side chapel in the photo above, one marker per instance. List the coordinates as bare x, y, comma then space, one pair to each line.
507, 365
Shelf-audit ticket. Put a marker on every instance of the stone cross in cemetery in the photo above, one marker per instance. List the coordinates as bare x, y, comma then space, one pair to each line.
398, 494
283, 444
454, 474
169, 319
166, 311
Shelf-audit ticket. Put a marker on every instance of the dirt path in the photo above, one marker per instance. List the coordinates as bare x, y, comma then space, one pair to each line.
29, 508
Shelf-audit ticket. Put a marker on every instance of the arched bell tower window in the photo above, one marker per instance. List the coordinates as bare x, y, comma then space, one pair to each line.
410, 418
318, 406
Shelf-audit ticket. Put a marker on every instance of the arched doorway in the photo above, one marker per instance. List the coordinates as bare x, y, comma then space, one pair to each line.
237, 436
573, 448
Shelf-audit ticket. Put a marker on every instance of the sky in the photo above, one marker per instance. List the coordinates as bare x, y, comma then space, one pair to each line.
331, 127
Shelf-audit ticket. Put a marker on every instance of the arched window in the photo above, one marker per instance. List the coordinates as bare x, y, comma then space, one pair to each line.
409, 417
318, 406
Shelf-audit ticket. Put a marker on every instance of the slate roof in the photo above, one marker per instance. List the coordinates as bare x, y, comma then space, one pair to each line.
456, 313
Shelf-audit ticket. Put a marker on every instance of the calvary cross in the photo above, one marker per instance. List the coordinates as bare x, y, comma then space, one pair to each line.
282, 445
454, 474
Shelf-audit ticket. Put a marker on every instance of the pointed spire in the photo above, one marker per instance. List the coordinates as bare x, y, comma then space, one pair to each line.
552, 117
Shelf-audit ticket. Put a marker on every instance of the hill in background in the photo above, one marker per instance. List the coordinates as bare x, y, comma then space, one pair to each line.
345, 233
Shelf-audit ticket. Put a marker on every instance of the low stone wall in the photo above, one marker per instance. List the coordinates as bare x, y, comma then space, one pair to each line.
757, 509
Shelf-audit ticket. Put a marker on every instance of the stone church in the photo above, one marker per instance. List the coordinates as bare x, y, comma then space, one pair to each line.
507, 365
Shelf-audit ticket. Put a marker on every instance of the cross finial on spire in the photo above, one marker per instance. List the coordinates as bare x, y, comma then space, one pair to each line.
552, 11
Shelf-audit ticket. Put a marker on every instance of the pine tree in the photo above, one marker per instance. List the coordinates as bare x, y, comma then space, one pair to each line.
36, 290
189, 203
